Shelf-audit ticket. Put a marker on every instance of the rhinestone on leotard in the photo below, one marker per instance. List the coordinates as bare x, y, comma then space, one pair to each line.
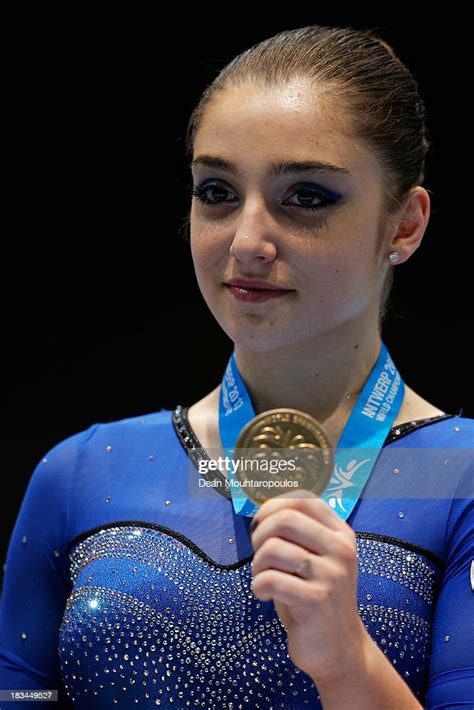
177, 624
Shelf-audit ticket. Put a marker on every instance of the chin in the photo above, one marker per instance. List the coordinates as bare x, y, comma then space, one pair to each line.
259, 339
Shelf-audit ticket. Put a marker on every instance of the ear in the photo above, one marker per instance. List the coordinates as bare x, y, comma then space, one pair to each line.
408, 228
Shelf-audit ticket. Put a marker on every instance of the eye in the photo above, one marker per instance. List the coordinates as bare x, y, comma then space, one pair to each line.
200, 192
308, 193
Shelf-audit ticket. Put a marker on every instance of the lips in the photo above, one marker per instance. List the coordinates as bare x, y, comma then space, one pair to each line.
256, 295
255, 285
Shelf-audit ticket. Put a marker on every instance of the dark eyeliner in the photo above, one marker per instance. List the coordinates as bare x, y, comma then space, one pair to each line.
326, 196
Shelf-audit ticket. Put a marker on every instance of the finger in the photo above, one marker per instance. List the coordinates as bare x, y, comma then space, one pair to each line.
303, 500
286, 588
298, 528
279, 554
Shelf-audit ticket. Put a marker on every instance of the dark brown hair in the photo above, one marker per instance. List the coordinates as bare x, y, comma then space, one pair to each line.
377, 94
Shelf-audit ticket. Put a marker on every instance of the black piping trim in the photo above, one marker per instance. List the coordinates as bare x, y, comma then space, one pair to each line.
195, 450
408, 427
405, 544
235, 565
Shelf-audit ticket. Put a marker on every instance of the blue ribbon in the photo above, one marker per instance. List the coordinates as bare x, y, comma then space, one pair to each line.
366, 429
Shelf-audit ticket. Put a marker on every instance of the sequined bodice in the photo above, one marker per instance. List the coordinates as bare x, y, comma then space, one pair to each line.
175, 627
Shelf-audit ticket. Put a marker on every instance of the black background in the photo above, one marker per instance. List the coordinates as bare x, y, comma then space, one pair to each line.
102, 315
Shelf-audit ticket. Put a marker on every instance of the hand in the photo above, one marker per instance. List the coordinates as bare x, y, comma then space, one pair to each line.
316, 603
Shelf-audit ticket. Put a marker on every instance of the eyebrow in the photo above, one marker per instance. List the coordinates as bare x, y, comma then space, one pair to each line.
276, 168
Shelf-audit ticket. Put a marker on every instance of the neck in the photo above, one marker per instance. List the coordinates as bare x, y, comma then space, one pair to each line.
323, 378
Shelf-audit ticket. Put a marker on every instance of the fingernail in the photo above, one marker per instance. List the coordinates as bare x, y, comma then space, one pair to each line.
253, 524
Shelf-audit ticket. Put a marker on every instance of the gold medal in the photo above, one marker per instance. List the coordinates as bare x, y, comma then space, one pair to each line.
281, 450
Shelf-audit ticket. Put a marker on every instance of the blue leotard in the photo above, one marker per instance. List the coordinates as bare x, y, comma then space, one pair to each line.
128, 583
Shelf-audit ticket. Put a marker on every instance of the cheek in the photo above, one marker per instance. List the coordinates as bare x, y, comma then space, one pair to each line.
206, 246
338, 285
200, 251
208, 264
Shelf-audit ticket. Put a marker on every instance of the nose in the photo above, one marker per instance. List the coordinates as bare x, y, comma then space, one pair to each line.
252, 237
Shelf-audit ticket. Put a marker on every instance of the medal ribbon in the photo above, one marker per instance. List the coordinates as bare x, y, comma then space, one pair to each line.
367, 427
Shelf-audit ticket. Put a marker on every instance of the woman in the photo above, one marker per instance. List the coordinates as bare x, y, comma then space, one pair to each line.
144, 589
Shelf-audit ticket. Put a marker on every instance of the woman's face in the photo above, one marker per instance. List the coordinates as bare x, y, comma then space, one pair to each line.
257, 222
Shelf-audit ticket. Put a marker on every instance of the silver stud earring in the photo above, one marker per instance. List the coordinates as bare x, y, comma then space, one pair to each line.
394, 256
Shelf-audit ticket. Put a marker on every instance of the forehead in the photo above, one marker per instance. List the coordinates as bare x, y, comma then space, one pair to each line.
255, 122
